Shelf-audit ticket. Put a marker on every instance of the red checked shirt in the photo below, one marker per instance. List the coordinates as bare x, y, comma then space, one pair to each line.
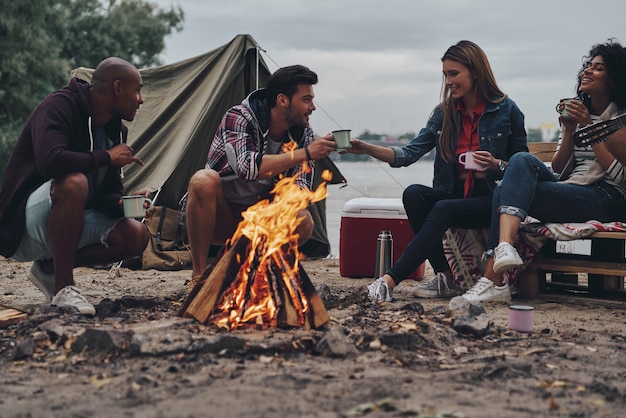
468, 140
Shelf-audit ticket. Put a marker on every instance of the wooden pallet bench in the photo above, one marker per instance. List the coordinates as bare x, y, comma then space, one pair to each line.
605, 267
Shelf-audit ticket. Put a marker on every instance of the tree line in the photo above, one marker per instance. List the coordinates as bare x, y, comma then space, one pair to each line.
43, 40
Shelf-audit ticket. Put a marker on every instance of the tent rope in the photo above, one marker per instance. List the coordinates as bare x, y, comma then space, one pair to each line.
115, 268
316, 101
259, 49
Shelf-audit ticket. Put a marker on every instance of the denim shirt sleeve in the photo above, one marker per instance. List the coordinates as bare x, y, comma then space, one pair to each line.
425, 141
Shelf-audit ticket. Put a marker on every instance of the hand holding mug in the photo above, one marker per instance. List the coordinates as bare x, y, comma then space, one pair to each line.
468, 159
320, 148
573, 113
356, 147
136, 206
563, 106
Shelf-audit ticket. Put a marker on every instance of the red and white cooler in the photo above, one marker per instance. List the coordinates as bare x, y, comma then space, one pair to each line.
362, 219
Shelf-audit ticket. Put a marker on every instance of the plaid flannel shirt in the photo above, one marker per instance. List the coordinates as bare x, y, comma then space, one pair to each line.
240, 141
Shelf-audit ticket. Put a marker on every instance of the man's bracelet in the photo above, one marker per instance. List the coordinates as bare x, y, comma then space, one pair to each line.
308, 154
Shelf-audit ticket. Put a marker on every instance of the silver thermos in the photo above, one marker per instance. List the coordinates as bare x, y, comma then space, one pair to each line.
384, 251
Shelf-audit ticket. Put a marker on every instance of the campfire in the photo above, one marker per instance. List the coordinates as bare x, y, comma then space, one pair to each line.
258, 280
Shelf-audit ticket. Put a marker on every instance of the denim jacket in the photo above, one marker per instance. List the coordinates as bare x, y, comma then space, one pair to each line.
500, 130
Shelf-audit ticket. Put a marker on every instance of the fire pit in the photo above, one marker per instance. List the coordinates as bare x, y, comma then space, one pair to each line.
258, 280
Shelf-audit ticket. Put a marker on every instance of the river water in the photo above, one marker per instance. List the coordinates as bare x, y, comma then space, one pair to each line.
370, 179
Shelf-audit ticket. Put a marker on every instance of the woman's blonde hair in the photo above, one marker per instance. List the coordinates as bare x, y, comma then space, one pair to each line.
472, 57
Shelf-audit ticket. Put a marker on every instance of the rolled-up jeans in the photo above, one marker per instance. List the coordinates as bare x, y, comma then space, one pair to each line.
529, 187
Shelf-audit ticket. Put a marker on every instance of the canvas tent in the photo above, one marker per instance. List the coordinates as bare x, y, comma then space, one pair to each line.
183, 105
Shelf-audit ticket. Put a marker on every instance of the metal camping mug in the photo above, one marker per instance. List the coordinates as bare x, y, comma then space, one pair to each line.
384, 251
562, 110
521, 318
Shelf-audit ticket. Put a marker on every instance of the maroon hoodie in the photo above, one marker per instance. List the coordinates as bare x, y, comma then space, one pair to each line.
56, 141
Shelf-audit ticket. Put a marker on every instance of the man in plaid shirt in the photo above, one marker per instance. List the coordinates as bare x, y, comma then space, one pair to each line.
250, 150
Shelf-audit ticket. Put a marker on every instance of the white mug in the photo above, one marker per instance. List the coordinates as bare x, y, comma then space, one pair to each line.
467, 159
133, 206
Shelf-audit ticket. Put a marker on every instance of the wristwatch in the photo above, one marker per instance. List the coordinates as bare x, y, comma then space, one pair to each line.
501, 166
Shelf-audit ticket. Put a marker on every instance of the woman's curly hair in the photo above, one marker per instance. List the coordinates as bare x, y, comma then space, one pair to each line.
614, 56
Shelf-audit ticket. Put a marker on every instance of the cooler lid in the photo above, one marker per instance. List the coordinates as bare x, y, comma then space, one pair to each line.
374, 207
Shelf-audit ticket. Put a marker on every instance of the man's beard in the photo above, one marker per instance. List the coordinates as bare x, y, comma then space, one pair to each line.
296, 119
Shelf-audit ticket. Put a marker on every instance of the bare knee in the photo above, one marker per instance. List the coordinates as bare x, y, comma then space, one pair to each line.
71, 187
141, 237
131, 235
205, 183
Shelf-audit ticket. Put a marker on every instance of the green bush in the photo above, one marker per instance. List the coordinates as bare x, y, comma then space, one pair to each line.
8, 135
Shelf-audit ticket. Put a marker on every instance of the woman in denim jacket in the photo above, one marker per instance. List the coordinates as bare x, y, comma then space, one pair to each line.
591, 181
474, 115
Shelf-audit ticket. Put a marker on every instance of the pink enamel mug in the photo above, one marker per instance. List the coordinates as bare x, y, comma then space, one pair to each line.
467, 159
521, 318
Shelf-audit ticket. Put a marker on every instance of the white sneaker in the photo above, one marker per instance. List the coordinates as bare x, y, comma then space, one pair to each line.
485, 290
379, 291
505, 257
43, 281
70, 296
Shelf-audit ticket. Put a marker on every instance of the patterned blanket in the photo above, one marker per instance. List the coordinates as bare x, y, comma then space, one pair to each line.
571, 231
463, 248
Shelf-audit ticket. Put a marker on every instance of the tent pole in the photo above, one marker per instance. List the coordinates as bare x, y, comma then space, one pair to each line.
257, 66
258, 59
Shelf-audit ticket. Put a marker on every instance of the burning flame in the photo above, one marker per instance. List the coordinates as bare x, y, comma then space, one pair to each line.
270, 265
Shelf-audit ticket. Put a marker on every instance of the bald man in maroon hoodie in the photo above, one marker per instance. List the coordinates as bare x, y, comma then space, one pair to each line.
61, 197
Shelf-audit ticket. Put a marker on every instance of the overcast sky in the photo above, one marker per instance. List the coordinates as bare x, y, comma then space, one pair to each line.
379, 61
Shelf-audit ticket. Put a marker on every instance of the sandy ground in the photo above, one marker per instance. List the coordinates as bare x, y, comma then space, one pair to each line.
392, 360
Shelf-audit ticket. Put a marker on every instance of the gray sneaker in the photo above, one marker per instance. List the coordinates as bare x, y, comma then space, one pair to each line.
379, 291
43, 281
438, 286
70, 296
